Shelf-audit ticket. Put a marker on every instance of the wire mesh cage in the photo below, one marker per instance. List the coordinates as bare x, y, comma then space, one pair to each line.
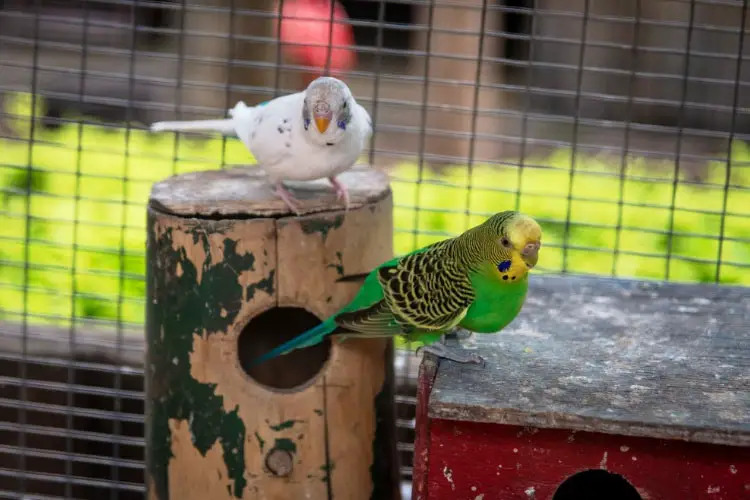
619, 125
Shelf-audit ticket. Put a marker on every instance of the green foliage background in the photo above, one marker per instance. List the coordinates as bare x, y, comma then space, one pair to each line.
95, 268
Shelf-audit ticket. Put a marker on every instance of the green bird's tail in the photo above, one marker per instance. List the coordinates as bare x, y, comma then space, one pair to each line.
310, 337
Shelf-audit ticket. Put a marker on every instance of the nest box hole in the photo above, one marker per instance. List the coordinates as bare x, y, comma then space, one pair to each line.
595, 484
272, 328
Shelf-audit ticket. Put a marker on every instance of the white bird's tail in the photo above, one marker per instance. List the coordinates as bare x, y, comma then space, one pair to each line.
240, 110
240, 115
224, 126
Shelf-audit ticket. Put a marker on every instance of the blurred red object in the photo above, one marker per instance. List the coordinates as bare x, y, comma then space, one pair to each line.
310, 36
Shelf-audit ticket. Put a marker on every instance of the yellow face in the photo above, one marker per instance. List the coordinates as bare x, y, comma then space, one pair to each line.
521, 244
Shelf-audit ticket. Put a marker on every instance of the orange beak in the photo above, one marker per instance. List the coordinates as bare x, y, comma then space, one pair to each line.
322, 122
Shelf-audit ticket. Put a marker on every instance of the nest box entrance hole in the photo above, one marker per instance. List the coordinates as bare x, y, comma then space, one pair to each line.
596, 484
271, 328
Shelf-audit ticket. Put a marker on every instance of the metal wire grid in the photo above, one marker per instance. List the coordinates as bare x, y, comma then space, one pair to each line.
65, 401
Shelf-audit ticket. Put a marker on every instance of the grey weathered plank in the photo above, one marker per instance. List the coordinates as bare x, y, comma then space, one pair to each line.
614, 356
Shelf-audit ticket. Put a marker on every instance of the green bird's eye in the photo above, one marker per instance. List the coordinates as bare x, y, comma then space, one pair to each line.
505, 242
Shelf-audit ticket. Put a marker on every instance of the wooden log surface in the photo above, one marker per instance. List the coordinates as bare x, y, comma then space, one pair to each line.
231, 274
243, 192
623, 357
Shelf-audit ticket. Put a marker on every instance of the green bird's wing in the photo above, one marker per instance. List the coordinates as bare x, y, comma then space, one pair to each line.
420, 292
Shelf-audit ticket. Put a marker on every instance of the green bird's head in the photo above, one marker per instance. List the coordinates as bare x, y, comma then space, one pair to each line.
514, 239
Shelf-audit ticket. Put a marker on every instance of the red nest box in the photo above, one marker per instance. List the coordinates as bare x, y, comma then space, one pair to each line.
601, 390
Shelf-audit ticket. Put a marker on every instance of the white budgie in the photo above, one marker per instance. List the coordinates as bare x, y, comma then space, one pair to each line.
315, 134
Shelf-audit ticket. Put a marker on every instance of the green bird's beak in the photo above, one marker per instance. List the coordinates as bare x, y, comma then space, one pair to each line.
530, 254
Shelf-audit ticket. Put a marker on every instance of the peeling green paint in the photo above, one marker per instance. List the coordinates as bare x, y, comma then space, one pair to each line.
340, 266
287, 424
285, 444
321, 224
261, 441
178, 307
264, 285
327, 470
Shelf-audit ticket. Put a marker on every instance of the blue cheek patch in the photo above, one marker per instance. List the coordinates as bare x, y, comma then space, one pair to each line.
503, 266
342, 124
307, 123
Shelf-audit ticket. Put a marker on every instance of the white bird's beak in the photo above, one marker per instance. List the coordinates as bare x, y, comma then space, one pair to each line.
322, 121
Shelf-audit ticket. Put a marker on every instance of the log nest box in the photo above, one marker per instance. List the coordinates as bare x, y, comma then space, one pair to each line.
232, 274
601, 389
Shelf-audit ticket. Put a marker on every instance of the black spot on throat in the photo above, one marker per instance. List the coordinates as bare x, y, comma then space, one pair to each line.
330, 144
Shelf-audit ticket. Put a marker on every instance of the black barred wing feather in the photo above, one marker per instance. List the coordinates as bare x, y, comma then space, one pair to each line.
421, 292
374, 321
425, 291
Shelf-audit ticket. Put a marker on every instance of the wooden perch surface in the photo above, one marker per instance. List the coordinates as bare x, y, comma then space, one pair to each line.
246, 191
614, 356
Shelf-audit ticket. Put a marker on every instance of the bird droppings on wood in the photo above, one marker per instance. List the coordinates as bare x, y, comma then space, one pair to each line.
448, 475
603, 462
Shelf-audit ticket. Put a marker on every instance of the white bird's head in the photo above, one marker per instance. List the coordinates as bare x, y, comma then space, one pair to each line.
328, 107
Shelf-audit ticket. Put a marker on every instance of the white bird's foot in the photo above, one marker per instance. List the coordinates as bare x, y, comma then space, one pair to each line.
341, 192
288, 197
442, 351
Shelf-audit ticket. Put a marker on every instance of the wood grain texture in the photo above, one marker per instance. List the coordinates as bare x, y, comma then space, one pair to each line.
614, 356
211, 425
486, 461
422, 445
314, 251
245, 192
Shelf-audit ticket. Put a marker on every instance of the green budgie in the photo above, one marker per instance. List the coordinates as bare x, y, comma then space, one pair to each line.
476, 281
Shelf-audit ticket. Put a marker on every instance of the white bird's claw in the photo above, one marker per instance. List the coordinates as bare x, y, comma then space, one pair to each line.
341, 192
288, 197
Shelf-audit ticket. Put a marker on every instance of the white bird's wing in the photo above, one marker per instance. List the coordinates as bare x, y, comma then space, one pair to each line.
365, 120
244, 120
270, 138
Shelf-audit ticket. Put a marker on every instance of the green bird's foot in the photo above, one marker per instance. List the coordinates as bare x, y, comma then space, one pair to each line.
462, 334
442, 351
